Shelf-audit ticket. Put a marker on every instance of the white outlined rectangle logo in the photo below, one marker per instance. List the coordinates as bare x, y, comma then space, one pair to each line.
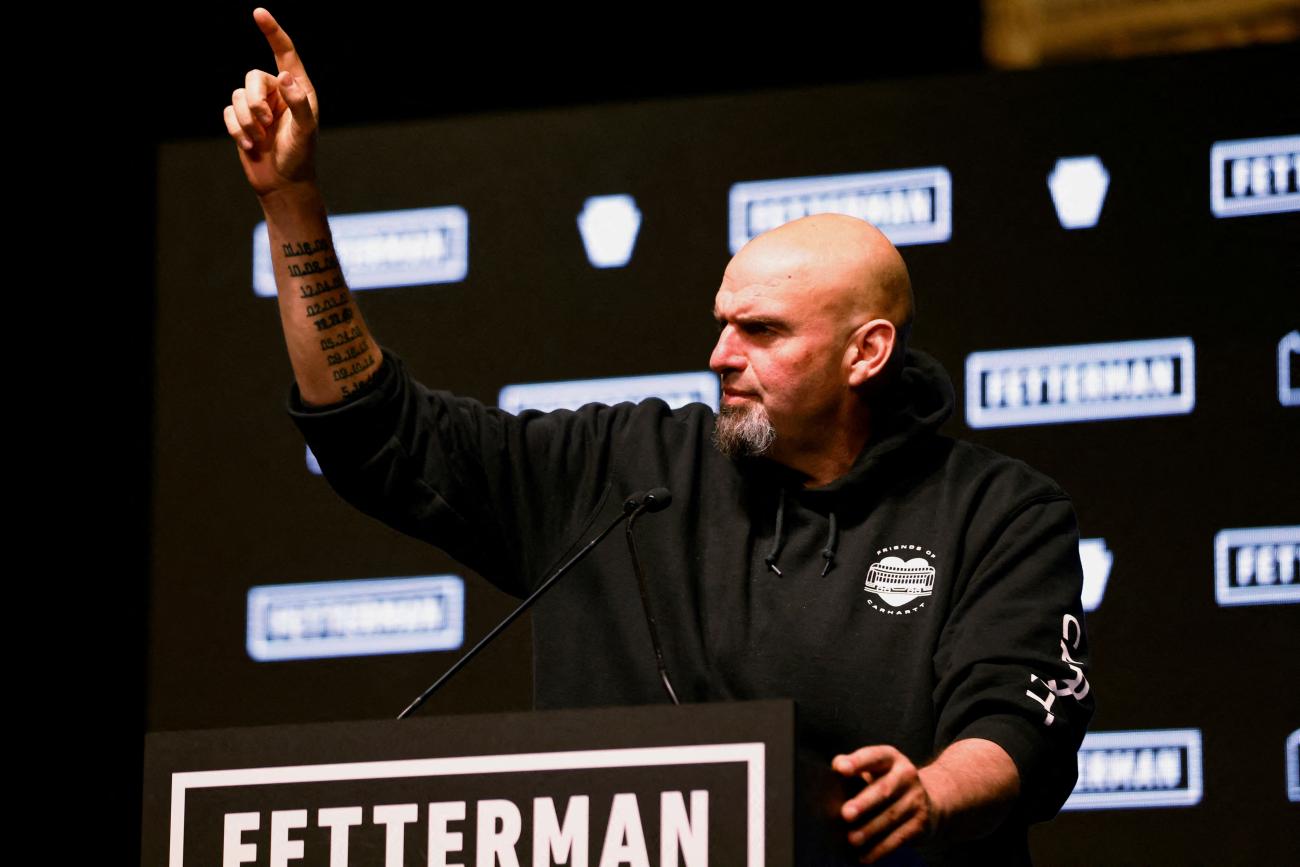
1257, 566
911, 206
1255, 176
674, 389
1288, 355
1293, 766
385, 248
356, 618
750, 756
1084, 382
1097, 560
1144, 768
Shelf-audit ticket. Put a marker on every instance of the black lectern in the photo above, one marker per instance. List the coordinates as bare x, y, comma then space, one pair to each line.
699, 784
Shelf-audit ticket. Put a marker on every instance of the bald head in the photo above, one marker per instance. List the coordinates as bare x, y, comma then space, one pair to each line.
844, 265
811, 318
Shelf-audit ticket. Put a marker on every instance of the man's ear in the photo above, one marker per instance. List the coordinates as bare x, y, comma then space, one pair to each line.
870, 349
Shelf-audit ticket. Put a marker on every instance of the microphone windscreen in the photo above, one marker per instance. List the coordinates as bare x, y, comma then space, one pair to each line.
658, 499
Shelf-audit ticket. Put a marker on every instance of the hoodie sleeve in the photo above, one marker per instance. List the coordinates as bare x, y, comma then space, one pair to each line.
482, 484
1013, 660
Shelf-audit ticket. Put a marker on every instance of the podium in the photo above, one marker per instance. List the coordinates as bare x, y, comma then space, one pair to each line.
716, 784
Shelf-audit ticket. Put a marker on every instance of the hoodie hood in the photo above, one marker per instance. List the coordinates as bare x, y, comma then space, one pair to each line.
906, 415
909, 411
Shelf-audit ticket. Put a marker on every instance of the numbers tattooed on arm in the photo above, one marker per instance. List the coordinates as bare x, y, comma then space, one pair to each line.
347, 351
352, 352
354, 368
306, 248
329, 263
343, 338
329, 304
311, 290
344, 315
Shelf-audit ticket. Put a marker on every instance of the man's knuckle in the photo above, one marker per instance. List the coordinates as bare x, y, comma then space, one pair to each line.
895, 812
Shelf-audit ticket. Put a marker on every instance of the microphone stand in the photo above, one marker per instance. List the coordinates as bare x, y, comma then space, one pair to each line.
634, 505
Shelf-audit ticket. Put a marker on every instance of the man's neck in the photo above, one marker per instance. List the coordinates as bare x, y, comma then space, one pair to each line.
827, 460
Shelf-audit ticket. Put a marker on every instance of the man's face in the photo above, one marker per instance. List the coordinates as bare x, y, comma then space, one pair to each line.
780, 355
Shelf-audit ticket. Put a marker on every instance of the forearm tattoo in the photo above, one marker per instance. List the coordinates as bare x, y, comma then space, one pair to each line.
330, 309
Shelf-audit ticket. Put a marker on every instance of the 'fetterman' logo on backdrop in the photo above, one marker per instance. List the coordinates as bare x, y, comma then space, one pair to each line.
900, 577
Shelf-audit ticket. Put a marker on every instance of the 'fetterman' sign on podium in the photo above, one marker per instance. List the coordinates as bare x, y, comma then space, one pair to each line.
694, 785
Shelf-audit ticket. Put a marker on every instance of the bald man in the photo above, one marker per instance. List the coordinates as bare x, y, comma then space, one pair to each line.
916, 595
810, 314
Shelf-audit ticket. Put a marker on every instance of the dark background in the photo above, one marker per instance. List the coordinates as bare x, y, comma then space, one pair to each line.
1230, 287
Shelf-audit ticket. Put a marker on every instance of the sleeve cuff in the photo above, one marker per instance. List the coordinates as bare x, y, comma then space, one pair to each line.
360, 424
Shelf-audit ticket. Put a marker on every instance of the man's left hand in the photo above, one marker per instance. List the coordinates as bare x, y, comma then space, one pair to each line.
894, 808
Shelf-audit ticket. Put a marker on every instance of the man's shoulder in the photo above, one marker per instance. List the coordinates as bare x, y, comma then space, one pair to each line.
996, 474
647, 411
644, 427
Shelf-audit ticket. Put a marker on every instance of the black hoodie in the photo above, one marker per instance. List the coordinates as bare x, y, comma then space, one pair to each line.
931, 594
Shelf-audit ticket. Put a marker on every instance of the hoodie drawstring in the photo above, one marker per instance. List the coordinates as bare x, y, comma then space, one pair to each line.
829, 551
770, 559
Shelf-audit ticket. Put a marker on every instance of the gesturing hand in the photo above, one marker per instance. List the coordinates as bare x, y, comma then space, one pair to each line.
273, 118
894, 808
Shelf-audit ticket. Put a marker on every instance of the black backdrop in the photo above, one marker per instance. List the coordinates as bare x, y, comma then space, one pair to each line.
234, 506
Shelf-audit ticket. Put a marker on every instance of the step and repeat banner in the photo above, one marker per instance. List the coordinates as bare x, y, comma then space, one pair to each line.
1106, 259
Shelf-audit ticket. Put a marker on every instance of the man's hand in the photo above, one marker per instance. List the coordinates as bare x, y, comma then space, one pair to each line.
273, 118
894, 808
962, 795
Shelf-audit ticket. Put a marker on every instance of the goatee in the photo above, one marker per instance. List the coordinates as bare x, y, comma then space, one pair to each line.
743, 430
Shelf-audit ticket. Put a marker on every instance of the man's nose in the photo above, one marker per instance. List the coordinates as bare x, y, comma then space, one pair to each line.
726, 356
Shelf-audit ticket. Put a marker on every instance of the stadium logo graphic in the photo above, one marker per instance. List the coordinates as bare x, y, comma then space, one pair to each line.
1255, 176
1097, 560
1088, 382
1288, 369
386, 248
911, 206
897, 581
609, 225
1293, 766
1257, 566
1078, 187
674, 389
1151, 768
356, 618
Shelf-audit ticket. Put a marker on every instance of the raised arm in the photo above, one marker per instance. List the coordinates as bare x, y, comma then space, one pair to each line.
273, 121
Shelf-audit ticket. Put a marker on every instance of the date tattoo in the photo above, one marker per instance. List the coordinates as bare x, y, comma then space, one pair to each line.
329, 308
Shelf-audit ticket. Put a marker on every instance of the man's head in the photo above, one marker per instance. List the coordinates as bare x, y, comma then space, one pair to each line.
810, 313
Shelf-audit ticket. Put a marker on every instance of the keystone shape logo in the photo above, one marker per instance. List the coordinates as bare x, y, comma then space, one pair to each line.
1078, 186
609, 226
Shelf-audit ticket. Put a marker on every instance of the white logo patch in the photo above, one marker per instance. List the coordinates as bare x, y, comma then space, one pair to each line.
897, 581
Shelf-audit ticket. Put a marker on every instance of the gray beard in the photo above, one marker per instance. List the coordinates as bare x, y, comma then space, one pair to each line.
743, 431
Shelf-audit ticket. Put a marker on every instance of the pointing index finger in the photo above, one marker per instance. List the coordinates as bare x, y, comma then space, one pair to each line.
286, 58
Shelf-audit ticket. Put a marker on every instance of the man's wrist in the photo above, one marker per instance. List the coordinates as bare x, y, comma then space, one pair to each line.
971, 786
291, 199
938, 785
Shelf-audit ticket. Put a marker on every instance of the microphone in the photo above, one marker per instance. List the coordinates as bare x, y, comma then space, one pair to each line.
654, 500
658, 499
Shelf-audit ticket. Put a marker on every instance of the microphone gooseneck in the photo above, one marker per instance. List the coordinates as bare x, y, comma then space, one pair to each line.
652, 501
655, 500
